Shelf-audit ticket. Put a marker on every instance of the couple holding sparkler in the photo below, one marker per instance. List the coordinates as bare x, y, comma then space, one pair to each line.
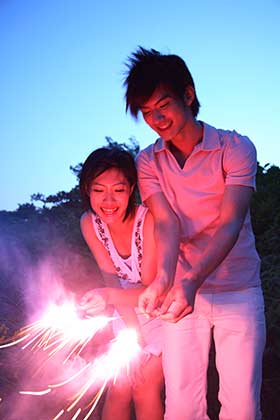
186, 259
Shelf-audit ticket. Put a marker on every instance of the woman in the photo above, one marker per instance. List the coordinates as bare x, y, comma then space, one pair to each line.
119, 234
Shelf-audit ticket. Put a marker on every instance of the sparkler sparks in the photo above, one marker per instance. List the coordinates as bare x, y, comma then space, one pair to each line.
108, 366
62, 330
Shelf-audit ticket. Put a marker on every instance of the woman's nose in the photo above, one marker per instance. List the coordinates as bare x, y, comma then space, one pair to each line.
109, 197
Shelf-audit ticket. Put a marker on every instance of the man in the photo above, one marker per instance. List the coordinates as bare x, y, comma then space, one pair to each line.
198, 181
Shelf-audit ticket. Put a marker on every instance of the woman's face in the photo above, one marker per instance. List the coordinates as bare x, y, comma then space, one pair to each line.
109, 195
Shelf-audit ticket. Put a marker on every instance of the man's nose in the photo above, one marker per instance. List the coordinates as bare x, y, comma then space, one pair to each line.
157, 115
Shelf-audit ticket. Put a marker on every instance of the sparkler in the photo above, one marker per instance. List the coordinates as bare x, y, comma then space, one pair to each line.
61, 329
107, 367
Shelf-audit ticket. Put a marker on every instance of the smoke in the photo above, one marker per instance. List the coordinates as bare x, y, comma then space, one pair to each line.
29, 281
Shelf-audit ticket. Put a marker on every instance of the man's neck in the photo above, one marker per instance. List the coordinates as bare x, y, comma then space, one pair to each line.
182, 146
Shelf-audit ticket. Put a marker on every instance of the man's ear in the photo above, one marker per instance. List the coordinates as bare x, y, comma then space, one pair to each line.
189, 95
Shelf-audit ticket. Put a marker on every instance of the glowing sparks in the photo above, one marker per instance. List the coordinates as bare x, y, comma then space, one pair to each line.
14, 342
67, 381
76, 414
124, 348
58, 415
107, 367
40, 393
61, 330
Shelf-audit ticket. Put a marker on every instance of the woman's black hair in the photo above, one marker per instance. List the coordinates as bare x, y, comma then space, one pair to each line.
99, 161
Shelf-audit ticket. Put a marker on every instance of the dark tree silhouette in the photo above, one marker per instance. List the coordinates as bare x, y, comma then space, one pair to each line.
48, 227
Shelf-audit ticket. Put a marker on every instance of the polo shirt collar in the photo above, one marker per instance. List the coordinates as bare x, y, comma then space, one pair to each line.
210, 140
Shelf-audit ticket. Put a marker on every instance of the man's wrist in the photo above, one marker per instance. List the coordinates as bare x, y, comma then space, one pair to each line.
191, 276
162, 282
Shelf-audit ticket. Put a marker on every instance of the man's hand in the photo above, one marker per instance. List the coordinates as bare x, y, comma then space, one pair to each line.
94, 301
150, 300
179, 301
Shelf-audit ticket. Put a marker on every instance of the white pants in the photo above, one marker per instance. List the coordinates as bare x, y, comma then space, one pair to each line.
238, 323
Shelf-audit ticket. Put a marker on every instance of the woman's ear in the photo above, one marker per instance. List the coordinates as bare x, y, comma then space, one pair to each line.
131, 189
87, 189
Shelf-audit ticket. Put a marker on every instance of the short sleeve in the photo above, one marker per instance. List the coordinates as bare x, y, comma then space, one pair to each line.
147, 178
240, 161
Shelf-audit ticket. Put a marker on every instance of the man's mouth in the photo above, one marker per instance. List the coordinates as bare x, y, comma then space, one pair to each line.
164, 127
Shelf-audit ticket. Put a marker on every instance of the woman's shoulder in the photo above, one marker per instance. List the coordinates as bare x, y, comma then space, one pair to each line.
86, 221
141, 210
142, 213
86, 217
148, 218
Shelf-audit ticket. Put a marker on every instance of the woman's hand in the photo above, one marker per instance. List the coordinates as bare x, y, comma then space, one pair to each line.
151, 298
94, 301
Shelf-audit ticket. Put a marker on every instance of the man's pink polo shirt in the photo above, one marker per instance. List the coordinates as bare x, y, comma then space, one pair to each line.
195, 193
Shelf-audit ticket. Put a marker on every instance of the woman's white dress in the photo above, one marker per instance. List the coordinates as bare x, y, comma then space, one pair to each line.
128, 271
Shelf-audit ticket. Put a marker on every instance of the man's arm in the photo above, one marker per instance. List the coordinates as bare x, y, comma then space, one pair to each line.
234, 206
166, 234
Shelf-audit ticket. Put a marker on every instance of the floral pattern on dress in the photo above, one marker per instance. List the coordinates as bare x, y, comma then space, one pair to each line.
138, 243
105, 241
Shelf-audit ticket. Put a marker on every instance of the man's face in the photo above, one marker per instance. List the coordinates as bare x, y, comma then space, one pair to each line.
166, 114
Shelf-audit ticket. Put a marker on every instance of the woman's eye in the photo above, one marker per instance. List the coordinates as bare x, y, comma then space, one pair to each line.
120, 190
97, 190
165, 105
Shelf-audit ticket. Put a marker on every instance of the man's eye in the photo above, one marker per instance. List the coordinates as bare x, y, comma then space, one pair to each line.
146, 113
165, 105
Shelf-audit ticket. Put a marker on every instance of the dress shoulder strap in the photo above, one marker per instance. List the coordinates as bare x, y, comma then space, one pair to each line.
137, 238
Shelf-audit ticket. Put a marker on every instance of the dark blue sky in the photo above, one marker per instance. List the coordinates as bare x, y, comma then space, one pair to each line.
62, 66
